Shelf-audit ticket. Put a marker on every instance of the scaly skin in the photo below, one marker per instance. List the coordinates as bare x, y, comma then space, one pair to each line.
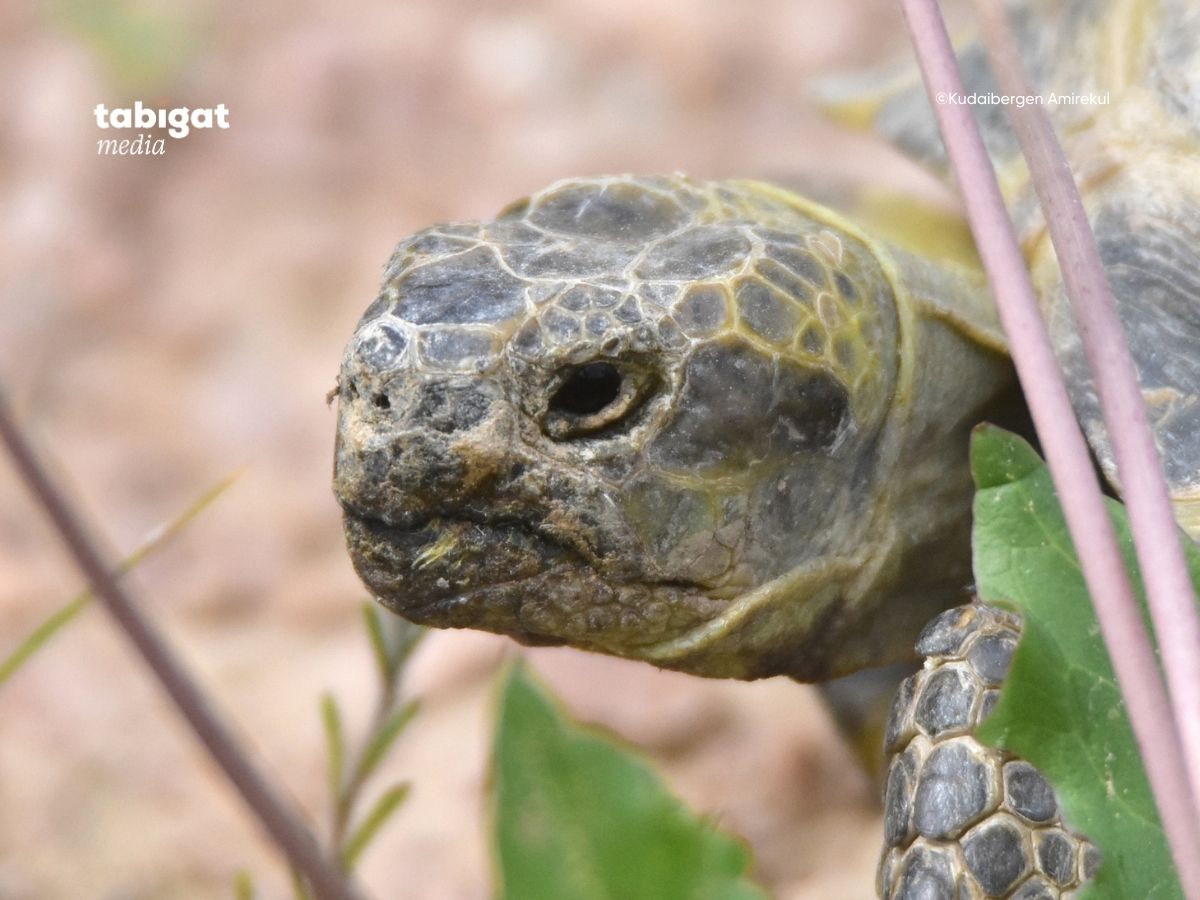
719, 428
1135, 159
961, 819
708, 425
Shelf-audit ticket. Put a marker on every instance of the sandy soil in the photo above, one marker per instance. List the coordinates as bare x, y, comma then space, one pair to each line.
167, 320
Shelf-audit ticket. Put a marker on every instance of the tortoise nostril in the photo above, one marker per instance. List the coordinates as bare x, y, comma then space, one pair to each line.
382, 401
588, 389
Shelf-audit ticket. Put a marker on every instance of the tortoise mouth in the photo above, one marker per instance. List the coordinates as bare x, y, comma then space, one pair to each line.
508, 575
424, 563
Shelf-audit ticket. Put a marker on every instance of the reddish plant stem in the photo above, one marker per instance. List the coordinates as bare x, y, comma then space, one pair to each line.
1169, 591
275, 814
1066, 450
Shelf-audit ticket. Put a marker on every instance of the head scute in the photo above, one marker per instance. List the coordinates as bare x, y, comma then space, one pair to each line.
656, 392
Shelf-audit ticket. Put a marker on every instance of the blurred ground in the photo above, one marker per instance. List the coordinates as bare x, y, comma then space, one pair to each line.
166, 320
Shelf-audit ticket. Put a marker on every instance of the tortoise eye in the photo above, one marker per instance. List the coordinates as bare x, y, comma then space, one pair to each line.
588, 389
590, 398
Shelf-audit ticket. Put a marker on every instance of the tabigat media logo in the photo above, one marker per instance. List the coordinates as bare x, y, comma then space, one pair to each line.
178, 124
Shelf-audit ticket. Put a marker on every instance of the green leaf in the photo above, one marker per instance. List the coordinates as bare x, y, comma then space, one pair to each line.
996, 461
383, 738
379, 643
65, 614
1061, 708
576, 816
335, 745
361, 837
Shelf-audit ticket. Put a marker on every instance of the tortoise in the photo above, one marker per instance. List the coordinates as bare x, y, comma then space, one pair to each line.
722, 428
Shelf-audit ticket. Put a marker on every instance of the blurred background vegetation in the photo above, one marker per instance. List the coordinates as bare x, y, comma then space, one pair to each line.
167, 320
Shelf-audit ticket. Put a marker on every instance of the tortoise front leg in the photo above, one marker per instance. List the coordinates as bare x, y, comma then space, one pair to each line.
963, 820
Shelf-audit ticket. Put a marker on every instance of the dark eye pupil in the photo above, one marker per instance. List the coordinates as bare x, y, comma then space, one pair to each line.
588, 389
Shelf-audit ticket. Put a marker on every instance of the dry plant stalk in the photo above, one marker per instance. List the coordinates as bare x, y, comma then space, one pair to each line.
278, 817
1169, 592
1066, 450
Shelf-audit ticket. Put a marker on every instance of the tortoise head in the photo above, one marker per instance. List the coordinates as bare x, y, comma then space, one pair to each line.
635, 415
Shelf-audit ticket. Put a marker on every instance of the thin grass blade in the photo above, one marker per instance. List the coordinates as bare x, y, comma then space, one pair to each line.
382, 740
335, 745
63, 616
380, 812
380, 647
